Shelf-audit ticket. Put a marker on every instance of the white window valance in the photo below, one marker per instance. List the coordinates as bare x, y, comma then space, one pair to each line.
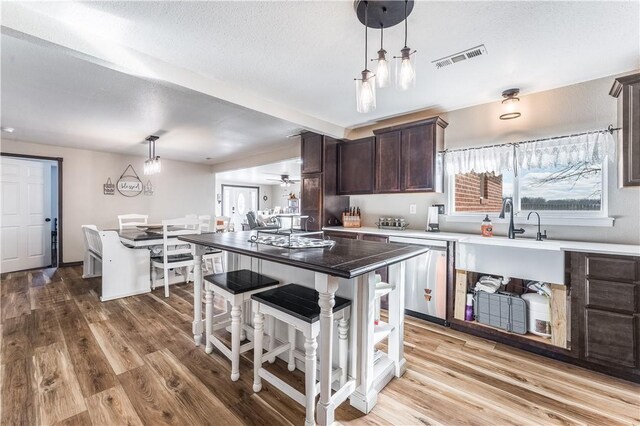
586, 148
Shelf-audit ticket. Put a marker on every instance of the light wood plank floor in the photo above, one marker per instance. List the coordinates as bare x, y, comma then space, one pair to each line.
69, 359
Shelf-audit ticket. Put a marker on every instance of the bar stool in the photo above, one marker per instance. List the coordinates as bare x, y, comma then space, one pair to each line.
236, 288
298, 307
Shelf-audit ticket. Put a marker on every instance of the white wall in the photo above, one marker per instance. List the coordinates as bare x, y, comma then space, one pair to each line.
182, 188
571, 109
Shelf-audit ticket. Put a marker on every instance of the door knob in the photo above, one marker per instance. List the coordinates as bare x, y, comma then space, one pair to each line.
48, 219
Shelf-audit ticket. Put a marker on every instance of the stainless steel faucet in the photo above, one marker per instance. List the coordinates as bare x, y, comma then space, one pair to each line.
539, 236
512, 230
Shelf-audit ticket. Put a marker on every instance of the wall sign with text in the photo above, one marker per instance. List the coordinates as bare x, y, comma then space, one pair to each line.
129, 185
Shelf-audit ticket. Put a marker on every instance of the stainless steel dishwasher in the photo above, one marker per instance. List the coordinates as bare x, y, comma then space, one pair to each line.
426, 280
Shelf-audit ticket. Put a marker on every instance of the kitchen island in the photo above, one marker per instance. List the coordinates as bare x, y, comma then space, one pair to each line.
350, 264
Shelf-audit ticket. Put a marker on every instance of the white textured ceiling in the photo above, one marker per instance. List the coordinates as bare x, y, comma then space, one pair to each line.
296, 60
263, 175
53, 98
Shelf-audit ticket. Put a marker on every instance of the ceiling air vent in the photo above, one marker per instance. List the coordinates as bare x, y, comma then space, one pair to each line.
460, 56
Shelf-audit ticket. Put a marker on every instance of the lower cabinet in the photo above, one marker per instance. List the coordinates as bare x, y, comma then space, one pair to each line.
605, 312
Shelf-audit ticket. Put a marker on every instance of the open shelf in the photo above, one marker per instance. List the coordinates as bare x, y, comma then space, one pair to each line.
528, 338
381, 331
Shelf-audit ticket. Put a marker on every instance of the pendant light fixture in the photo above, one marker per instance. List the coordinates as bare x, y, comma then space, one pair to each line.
382, 70
510, 104
406, 62
383, 14
152, 165
366, 85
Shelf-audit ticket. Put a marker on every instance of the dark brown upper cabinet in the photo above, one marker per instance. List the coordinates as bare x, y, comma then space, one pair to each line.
388, 158
356, 166
406, 156
627, 90
311, 150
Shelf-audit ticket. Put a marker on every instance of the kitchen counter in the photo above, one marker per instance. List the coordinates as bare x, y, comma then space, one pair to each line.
530, 243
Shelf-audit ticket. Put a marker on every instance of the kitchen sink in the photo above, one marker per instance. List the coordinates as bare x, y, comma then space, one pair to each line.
517, 258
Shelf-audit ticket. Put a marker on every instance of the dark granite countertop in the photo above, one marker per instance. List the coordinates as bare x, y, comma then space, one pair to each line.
348, 258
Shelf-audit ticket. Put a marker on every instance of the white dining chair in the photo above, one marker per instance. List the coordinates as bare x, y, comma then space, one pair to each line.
212, 260
126, 221
175, 254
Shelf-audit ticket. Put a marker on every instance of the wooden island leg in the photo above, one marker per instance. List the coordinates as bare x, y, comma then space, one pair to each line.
197, 295
326, 285
396, 318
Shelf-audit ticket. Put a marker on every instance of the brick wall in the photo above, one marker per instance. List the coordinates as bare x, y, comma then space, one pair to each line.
478, 192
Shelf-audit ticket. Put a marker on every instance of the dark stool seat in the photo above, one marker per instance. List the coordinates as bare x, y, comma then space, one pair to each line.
241, 281
298, 301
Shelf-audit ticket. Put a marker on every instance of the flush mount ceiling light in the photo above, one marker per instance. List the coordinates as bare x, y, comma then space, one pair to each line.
7, 129
510, 104
381, 15
152, 165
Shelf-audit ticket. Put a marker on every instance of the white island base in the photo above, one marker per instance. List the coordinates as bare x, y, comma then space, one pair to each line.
369, 370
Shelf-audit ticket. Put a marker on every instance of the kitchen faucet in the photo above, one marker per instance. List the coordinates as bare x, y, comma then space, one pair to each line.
539, 236
512, 230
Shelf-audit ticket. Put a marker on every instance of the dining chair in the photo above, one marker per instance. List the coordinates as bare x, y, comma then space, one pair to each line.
175, 254
212, 260
131, 220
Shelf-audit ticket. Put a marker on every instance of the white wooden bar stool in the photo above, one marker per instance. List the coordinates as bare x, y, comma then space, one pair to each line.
298, 307
236, 288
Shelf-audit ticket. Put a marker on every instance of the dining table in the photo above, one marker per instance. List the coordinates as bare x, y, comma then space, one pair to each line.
349, 266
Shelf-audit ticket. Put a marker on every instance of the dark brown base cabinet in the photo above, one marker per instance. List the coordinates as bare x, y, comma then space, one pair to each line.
318, 192
605, 313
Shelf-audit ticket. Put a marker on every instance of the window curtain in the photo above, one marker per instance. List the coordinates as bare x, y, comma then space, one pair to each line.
587, 148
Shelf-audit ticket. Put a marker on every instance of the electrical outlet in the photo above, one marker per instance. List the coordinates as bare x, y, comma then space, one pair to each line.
413, 209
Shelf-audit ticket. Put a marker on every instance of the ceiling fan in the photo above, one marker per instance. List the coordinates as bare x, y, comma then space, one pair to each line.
285, 180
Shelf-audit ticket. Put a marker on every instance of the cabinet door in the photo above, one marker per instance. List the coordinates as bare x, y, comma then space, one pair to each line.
418, 159
355, 167
388, 156
631, 134
611, 338
311, 151
311, 200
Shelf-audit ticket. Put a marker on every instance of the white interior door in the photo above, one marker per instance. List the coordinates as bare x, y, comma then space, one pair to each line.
237, 202
25, 238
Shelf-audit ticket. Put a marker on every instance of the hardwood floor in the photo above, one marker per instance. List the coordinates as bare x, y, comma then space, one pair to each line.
69, 359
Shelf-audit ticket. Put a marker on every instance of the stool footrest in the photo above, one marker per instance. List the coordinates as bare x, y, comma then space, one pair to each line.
343, 393
283, 386
276, 351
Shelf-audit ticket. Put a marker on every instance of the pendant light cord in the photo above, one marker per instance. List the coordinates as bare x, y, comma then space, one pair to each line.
381, 36
366, 27
406, 2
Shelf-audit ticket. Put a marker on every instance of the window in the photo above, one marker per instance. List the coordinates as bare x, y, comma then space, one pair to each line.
578, 189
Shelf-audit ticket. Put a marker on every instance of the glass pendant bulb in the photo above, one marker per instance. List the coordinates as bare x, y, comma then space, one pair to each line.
382, 70
406, 69
366, 92
406, 62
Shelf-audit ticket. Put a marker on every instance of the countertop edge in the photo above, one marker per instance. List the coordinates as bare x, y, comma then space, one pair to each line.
561, 245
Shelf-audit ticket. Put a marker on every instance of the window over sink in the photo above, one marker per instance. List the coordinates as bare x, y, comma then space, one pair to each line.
564, 179
577, 189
